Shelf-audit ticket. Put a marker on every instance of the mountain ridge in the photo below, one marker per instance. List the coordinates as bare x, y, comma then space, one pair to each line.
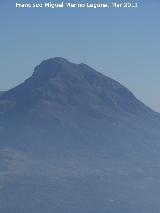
51, 69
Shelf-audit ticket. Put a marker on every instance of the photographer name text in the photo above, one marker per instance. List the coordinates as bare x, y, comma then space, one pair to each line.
77, 5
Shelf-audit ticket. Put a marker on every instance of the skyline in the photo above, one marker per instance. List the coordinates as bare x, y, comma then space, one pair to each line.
121, 43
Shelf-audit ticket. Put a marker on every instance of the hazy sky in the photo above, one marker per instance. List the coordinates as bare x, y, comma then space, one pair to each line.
121, 43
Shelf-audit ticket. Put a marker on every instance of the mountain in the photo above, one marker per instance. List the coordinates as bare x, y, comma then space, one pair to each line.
75, 140
73, 104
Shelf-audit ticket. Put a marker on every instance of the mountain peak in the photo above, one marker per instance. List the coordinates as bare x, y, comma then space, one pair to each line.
78, 86
51, 67
56, 60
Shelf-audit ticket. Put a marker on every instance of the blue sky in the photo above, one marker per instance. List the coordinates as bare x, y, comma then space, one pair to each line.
121, 43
